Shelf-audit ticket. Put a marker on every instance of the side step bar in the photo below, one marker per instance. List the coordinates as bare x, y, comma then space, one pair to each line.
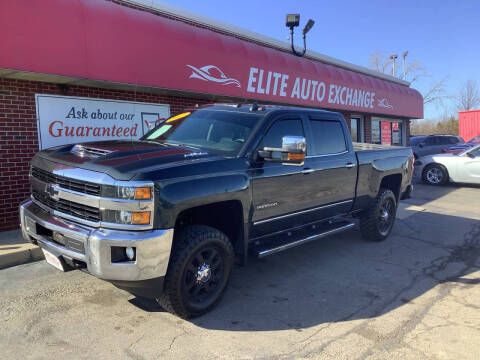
278, 243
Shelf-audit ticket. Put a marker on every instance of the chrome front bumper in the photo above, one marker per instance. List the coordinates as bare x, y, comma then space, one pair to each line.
92, 246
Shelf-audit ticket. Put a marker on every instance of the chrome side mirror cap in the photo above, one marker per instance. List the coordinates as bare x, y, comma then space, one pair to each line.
293, 151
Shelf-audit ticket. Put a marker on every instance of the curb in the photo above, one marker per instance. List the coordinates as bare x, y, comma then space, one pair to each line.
17, 254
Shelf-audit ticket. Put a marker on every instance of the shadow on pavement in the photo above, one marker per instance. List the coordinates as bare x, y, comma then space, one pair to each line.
344, 277
424, 193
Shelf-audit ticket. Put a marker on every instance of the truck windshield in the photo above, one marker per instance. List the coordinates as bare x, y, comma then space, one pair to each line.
220, 132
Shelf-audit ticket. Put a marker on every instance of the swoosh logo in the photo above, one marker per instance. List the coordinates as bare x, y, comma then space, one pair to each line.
384, 103
212, 73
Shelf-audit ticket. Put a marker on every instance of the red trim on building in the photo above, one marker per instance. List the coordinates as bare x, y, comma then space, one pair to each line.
101, 40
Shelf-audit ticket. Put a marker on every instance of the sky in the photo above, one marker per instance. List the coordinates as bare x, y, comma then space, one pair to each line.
444, 35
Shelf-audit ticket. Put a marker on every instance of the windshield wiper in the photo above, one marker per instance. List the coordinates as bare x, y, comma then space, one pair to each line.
181, 144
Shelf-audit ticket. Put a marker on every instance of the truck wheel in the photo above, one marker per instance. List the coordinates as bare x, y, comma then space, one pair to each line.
377, 222
435, 174
198, 272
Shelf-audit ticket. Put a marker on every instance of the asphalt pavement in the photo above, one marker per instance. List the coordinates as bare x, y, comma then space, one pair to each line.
413, 296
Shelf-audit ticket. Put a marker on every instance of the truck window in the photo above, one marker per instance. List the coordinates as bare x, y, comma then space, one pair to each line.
328, 137
281, 128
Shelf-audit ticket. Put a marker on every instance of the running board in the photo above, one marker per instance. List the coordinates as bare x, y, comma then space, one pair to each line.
279, 243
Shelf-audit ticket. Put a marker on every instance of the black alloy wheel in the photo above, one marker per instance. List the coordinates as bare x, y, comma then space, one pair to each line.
204, 277
198, 272
377, 222
386, 216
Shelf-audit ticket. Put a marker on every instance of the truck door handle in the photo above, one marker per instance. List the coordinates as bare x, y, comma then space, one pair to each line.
350, 165
307, 171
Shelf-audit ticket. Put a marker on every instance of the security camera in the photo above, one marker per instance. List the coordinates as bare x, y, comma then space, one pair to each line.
293, 20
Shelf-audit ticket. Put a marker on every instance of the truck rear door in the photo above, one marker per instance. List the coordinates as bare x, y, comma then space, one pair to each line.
331, 165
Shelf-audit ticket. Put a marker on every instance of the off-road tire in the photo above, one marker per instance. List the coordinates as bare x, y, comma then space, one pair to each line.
370, 219
187, 243
441, 169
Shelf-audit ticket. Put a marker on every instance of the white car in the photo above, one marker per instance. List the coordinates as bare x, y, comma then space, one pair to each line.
441, 168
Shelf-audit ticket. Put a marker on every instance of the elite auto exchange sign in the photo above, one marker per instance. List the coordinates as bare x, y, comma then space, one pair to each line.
65, 120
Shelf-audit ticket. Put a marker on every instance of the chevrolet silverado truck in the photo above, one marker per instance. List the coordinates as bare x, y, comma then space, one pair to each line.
168, 215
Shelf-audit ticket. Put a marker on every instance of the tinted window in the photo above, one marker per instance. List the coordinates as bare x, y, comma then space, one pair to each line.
453, 140
328, 137
416, 140
431, 141
475, 152
444, 140
281, 128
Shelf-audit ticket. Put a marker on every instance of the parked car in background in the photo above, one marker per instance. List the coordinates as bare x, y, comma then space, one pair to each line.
440, 168
423, 145
461, 147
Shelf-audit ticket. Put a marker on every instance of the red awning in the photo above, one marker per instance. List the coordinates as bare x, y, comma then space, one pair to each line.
101, 40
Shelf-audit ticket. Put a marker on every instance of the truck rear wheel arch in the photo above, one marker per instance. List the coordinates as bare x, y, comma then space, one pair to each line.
393, 183
226, 216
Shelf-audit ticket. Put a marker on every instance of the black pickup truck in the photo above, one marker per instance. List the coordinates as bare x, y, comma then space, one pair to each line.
169, 214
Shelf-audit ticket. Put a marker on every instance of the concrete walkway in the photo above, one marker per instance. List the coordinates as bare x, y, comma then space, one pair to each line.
14, 250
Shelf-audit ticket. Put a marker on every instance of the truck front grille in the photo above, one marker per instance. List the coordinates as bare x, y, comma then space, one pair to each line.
68, 207
66, 183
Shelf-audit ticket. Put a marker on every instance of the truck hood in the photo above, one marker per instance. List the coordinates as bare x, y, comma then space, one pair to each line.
123, 160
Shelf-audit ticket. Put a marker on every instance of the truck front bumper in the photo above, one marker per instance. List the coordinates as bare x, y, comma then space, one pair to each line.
92, 247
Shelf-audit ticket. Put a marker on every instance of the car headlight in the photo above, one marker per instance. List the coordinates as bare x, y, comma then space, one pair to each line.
127, 217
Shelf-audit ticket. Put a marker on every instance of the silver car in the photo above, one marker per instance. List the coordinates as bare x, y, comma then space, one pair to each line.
440, 168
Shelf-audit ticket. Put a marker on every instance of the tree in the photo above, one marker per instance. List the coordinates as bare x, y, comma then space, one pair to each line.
414, 71
447, 124
468, 96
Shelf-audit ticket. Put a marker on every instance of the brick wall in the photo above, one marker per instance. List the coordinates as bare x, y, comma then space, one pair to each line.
18, 132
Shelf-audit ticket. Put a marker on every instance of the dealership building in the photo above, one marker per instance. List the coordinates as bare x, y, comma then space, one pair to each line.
75, 71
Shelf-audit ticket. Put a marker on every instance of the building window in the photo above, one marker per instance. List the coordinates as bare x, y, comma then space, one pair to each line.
356, 128
397, 133
387, 132
376, 134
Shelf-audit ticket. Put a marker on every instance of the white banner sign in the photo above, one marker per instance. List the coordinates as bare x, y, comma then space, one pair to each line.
65, 120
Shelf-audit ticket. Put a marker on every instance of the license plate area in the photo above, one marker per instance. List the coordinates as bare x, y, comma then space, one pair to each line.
53, 260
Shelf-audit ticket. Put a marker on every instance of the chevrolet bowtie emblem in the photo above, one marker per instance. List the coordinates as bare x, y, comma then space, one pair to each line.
52, 190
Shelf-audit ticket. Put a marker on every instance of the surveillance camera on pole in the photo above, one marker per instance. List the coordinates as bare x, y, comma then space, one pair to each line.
292, 21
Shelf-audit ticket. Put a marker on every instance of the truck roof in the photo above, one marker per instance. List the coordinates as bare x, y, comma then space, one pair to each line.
259, 108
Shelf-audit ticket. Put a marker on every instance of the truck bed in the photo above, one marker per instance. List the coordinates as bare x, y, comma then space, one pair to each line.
364, 147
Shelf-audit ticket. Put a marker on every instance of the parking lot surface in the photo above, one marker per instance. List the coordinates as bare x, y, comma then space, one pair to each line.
416, 295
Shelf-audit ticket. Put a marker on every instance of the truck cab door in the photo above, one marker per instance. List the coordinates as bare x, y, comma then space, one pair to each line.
279, 191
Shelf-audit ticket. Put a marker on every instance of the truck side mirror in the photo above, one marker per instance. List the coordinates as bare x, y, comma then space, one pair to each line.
293, 151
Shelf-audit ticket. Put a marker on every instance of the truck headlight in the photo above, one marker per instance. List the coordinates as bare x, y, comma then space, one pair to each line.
127, 192
134, 193
127, 217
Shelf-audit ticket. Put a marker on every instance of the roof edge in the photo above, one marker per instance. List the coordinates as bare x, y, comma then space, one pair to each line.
208, 22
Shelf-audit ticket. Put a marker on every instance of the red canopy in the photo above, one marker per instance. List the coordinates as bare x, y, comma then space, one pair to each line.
101, 40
